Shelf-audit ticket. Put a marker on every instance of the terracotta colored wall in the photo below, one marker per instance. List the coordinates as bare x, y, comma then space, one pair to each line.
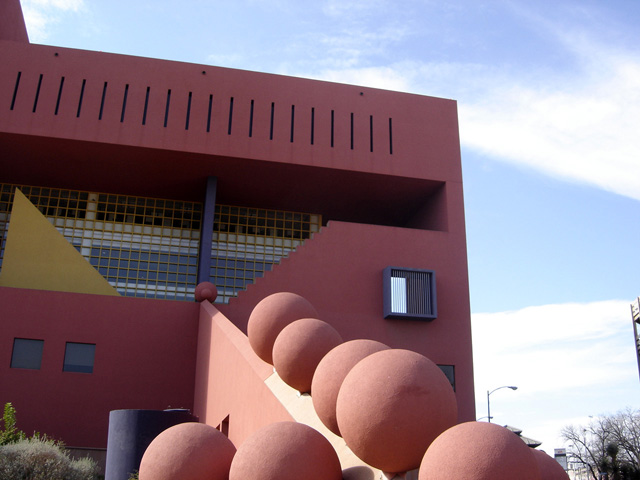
144, 358
12, 26
425, 134
340, 272
230, 379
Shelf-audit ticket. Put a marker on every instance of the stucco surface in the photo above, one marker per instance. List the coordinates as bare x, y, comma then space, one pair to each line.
391, 406
479, 451
331, 372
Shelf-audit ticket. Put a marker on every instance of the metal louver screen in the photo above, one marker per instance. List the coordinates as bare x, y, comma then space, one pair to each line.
409, 293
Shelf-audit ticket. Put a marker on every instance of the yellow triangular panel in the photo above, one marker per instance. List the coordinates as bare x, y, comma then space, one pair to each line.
37, 256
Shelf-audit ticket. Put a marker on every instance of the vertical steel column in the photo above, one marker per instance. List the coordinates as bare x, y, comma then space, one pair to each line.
206, 230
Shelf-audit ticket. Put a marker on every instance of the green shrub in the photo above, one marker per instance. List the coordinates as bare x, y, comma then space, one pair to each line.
10, 433
43, 459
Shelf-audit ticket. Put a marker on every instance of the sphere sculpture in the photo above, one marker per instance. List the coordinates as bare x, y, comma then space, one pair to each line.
189, 450
330, 374
479, 451
299, 348
270, 316
550, 469
391, 406
206, 291
286, 451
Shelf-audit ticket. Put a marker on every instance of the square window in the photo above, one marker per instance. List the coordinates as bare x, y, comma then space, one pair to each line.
78, 357
409, 293
450, 373
27, 353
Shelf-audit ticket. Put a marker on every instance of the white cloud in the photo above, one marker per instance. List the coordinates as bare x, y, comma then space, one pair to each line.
568, 361
39, 15
340, 8
585, 130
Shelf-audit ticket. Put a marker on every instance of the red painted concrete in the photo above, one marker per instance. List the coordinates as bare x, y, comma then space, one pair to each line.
270, 316
191, 451
402, 208
550, 469
371, 187
144, 358
340, 272
330, 374
479, 451
12, 26
286, 451
206, 291
391, 406
299, 348
230, 379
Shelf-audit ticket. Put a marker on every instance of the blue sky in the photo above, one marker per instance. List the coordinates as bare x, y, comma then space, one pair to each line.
549, 105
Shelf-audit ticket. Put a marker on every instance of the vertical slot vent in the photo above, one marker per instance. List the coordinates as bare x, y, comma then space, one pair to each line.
124, 102
332, 125
371, 133
104, 94
84, 83
313, 123
293, 114
273, 110
35, 101
146, 105
209, 113
390, 137
59, 96
230, 116
166, 108
251, 120
15, 91
186, 123
351, 130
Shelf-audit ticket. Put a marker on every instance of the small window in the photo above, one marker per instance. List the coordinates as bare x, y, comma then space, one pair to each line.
78, 357
409, 293
450, 373
27, 353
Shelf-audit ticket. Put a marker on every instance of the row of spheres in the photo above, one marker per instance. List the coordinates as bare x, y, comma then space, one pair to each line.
394, 408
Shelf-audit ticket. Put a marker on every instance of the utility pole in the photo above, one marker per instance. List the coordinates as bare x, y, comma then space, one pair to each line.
635, 317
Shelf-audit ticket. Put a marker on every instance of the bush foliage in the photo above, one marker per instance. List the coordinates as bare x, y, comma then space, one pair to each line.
38, 457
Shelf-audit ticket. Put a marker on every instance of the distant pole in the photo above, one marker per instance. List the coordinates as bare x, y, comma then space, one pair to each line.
635, 319
489, 400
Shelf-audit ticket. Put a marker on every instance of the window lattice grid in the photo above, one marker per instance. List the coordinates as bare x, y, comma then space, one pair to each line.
248, 241
144, 247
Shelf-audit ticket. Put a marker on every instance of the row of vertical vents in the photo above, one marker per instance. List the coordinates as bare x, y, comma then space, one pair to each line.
208, 123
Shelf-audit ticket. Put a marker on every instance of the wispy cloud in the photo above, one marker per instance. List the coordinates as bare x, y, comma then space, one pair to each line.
584, 130
40, 15
560, 357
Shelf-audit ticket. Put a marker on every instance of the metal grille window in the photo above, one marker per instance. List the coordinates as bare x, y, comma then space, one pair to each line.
144, 247
409, 293
248, 241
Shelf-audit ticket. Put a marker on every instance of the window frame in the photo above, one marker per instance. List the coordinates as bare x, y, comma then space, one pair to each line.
430, 293
16, 341
66, 367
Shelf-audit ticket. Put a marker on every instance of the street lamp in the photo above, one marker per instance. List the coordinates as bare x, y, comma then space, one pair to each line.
488, 402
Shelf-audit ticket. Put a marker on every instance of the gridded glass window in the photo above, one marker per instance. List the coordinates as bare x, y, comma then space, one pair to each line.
248, 241
78, 357
409, 293
27, 353
144, 247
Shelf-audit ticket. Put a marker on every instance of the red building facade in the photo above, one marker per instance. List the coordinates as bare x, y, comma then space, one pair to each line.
165, 174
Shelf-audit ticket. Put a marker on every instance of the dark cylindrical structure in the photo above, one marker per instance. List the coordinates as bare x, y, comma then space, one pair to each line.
131, 432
